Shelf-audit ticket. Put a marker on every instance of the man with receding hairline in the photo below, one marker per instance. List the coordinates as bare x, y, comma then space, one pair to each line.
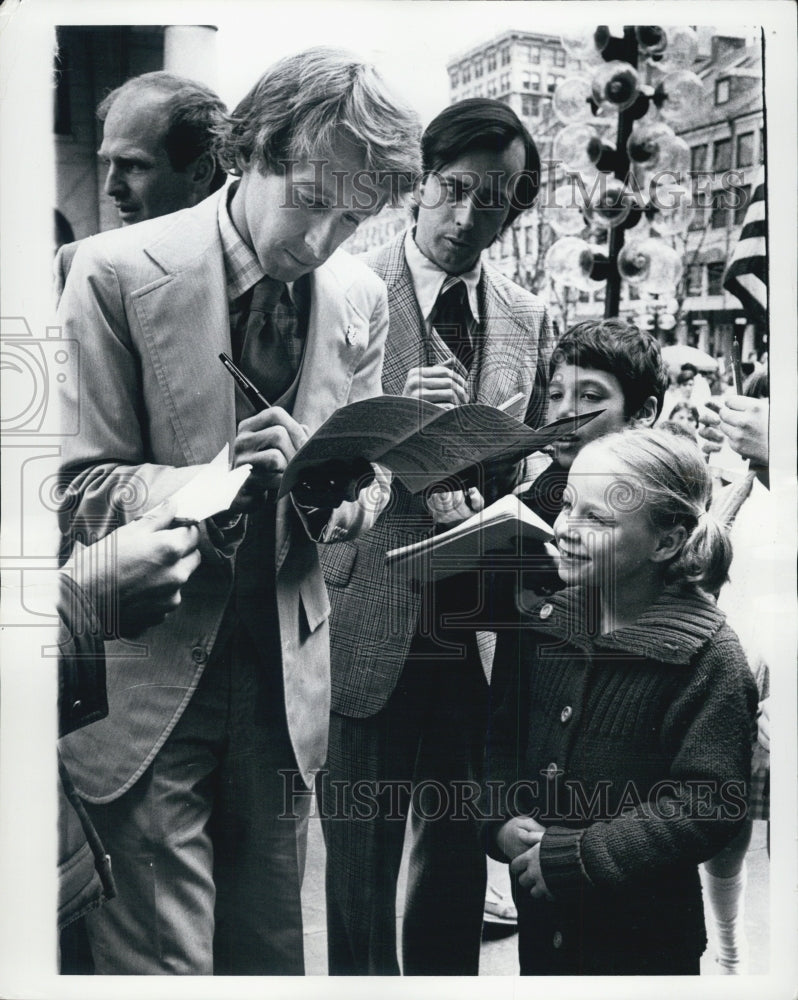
158, 134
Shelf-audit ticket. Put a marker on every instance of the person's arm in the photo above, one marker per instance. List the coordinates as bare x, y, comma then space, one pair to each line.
743, 422
106, 477
117, 587
701, 805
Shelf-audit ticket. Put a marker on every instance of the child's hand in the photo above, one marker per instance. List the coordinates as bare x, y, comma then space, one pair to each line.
454, 507
518, 835
527, 867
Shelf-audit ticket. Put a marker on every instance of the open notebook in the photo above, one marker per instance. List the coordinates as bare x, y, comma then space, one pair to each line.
485, 541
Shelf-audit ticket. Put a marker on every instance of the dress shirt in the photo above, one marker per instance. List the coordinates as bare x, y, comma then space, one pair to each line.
428, 280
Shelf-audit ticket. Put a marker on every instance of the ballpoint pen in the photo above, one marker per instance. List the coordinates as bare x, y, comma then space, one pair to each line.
249, 389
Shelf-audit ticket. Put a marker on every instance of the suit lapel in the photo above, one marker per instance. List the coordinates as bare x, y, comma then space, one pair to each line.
338, 334
405, 347
184, 319
507, 360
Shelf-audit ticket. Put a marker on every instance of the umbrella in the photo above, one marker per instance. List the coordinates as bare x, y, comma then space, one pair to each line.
676, 355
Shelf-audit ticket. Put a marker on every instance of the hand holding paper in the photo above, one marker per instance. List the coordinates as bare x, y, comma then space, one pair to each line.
211, 491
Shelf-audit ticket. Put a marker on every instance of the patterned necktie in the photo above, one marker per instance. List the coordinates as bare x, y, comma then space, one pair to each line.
450, 318
257, 337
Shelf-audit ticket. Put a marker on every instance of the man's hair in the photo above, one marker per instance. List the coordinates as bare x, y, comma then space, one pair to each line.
480, 123
684, 377
633, 356
305, 103
194, 115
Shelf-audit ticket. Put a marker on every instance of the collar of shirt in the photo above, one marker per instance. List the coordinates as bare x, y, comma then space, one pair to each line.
428, 279
241, 267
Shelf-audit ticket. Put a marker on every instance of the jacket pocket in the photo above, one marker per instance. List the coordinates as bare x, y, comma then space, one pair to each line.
337, 562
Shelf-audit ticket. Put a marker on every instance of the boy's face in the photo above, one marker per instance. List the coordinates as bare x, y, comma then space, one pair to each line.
574, 390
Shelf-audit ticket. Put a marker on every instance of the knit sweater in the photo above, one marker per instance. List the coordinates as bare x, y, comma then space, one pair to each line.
633, 750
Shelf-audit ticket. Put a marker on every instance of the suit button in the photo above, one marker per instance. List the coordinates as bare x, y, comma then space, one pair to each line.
566, 713
198, 654
545, 611
552, 771
557, 939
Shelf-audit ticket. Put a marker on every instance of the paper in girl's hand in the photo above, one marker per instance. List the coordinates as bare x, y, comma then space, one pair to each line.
212, 490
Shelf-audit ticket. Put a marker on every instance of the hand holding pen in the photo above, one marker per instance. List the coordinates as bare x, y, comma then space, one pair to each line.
269, 439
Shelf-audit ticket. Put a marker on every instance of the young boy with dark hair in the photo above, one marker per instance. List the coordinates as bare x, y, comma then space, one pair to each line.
607, 365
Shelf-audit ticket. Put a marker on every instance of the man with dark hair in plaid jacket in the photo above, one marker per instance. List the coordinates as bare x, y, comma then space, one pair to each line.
409, 693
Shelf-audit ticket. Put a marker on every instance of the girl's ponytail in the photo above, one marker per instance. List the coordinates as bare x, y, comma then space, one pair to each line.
675, 482
705, 557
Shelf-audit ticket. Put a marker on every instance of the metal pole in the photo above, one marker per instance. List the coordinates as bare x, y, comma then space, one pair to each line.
612, 298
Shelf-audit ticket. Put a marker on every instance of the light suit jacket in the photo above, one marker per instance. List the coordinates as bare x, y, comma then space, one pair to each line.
375, 614
149, 309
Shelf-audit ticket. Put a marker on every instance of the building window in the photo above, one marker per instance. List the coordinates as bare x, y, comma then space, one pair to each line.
492, 88
491, 60
534, 54
504, 98
530, 105
744, 195
466, 74
745, 150
721, 155
479, 90
719, 218
699, 218
504, 82
715, 277
479, 68
722, 92
525, 80
698, 157
454, 77
551, 83
695, 276
559, 57
506, 56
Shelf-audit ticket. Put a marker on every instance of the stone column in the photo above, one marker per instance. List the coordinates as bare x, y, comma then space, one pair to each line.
190, 50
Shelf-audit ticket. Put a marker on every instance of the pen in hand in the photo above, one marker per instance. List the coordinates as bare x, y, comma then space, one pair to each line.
248, 388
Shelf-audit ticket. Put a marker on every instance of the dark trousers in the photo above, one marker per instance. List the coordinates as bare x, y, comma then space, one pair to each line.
420, 756
208, 868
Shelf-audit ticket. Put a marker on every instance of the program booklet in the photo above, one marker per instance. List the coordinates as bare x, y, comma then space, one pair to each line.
422, 443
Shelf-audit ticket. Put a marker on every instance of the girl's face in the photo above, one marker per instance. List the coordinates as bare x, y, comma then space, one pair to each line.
603, 532
685, 418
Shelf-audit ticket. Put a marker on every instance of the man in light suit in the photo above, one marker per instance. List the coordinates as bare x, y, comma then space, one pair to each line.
197, 780
409, 693
158, 131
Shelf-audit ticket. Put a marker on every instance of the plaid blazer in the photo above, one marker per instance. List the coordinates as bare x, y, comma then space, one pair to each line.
374, 615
